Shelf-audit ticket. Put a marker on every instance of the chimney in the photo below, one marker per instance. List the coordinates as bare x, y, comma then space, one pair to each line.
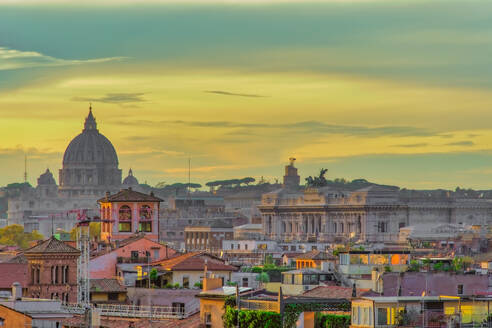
16, 291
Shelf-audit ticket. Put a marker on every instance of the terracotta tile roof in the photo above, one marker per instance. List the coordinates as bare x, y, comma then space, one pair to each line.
129, 195
13, 272
292, 255
315, 255
107, 285
51, 245
195, 261
18, 259
333, 292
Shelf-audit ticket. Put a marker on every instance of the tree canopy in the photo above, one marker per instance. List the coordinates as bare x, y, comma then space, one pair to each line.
14, 235
94, 231
230, 182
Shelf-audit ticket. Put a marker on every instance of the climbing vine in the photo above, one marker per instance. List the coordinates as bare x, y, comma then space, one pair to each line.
251, 319
267, 319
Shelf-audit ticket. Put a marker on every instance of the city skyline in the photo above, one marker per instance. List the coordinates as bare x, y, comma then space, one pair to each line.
394, 92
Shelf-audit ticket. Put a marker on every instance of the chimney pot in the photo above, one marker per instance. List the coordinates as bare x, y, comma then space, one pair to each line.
16, 291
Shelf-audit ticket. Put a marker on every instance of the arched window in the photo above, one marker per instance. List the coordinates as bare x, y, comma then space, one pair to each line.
125, 219
145, 223
145, 212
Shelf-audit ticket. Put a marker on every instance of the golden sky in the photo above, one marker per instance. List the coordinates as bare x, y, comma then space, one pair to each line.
394, 92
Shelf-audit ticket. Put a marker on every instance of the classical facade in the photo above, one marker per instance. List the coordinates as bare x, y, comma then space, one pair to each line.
372, 214
52, 271
128, 212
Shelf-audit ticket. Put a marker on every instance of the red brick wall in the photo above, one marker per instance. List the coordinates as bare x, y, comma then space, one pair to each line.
46, 288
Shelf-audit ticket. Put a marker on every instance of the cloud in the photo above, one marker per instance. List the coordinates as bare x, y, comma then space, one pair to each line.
415, 145
210, 168
11, 59
115, 98
226, 93
461, 143
313, 127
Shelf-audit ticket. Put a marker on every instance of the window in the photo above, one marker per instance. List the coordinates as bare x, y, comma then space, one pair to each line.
382, 316
125, 219
460, 289
382, 226
314, 248
245, 282
113, 296
245, 246
134, 254
208, 320
186, 282
293, 248
178, 308
232, 246
145, 226
156, 254
145, 212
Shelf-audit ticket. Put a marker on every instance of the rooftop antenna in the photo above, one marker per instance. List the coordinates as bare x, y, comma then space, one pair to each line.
25, 167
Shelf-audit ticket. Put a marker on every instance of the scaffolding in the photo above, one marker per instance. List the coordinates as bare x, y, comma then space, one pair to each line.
83, 276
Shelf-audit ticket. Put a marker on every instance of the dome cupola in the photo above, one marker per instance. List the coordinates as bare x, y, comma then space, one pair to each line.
90, 163
130, 180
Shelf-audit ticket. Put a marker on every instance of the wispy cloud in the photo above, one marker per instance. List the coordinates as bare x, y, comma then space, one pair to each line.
11, 59
304, 127
466, 143
415, 145
114, 98
227, 93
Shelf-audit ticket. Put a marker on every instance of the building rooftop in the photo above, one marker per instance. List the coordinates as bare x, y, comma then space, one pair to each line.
334, 292
129, 195
52, 245
106, 285
249, 226
225, 291
194, 261
315, 255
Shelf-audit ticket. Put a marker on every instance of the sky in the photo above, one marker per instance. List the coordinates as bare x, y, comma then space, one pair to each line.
397, 92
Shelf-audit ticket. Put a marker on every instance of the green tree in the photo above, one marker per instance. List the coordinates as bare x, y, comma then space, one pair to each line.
94, 231
14, 235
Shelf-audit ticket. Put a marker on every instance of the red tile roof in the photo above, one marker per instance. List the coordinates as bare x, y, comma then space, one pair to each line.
107, 285
292, 255
13, 272
129, 195
51, 245
195, 261
315, 255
